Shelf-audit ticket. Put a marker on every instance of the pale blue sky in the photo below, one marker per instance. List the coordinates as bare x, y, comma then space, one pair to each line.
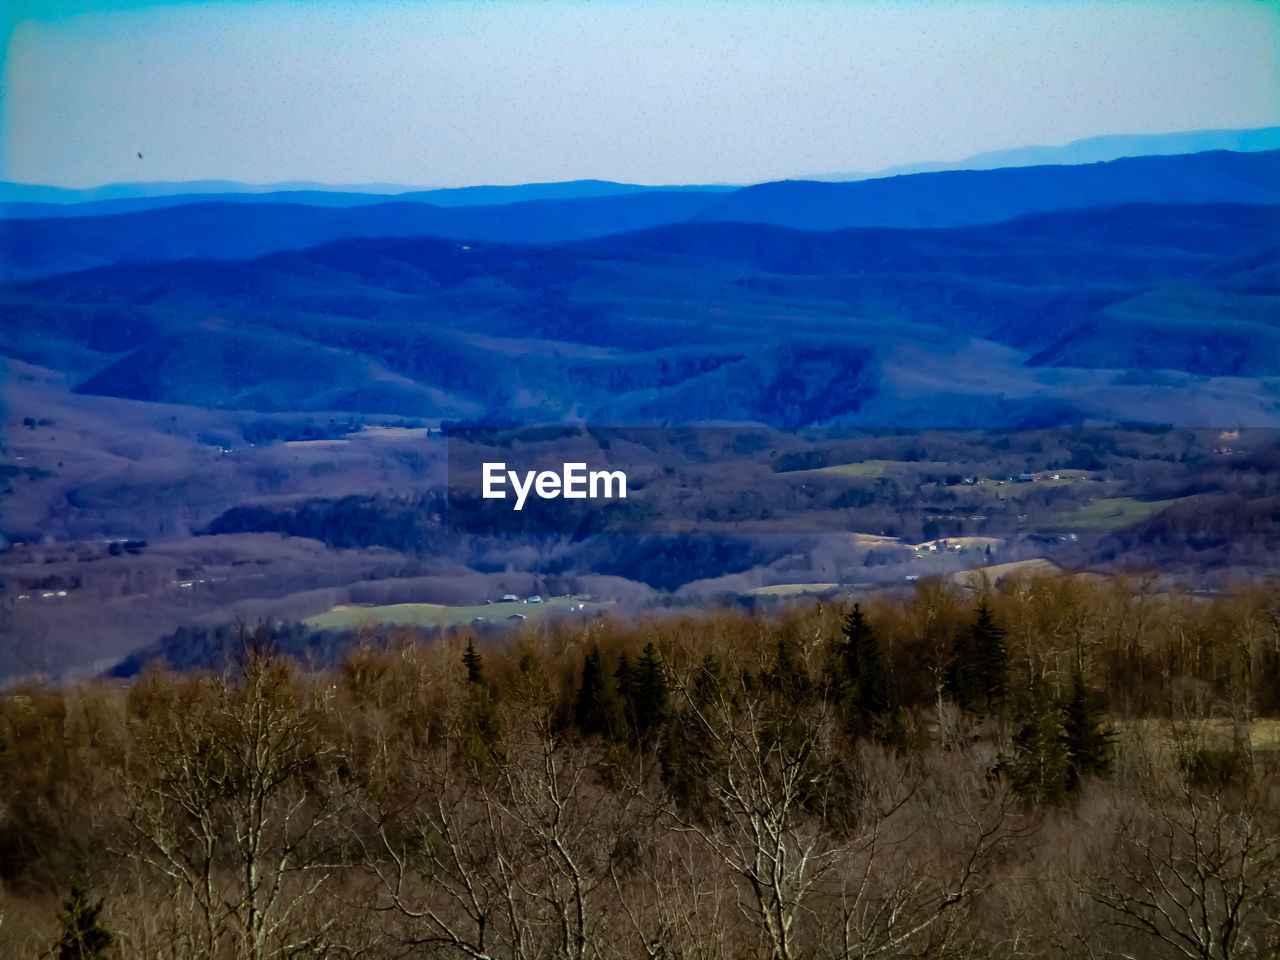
457, 92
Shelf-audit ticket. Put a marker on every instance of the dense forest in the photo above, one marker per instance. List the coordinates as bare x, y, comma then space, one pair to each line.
1059, 766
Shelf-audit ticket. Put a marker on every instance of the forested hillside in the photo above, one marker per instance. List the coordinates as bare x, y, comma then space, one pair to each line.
896, 778
1156, 313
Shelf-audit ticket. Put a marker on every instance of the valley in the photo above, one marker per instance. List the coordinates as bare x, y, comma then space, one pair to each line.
805, 404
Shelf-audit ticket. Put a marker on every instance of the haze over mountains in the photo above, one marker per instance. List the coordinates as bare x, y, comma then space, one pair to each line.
1093, 150
27, 199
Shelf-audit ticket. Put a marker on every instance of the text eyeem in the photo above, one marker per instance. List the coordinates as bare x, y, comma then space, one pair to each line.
573, 482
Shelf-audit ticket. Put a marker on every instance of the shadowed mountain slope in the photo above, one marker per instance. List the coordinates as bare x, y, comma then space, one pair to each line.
1144, 312
238, 230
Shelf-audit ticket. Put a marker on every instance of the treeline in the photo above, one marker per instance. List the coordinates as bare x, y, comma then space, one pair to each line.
411, 524
1057, 767
219, 646
264, 430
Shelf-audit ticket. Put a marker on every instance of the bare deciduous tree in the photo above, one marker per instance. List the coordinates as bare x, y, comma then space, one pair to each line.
1200, 873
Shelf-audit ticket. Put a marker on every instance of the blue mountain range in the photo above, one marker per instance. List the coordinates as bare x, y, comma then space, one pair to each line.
1143, 288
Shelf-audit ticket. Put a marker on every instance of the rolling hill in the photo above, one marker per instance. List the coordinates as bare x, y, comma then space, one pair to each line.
232, 231
1161, 313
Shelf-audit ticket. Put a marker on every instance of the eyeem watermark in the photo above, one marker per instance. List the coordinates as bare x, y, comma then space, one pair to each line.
573, 482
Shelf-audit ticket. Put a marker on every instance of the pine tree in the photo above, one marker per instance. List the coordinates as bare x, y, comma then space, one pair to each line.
623, 676
1038, 765
474, 664
991, 658
648, 691
597, 708
789, 677
862, 684
685, 754
482, 728
82, 937
961, 681
1087, 739
979, 672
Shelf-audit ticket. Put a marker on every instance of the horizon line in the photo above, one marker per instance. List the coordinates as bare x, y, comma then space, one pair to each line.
914, 167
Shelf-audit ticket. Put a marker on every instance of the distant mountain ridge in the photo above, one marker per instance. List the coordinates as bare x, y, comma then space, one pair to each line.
24, 199
1088, 150
220, 230
235, 231
962, 197
29, 201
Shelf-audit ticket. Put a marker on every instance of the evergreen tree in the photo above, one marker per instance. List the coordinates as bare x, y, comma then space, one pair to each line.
685, 760
82, 935
961, 679
979, 674
992, 657
1087, 739
648, 690
482, 729
597, 708
1038, 765
862, 684
474, 664
623, 676
789, 678
685, 753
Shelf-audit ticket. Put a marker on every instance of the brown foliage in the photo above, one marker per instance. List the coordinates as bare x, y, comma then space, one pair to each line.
394, 807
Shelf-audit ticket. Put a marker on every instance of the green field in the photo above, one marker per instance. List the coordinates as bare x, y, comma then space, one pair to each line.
1068, 477
792, 589
870, 469
1112, 513
348, 616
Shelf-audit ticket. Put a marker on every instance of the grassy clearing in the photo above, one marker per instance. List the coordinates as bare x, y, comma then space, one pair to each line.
392, 433
349, 616
792, 589
870, 469
1067, 478
867, 469
997, 571
1112, 513
876, 540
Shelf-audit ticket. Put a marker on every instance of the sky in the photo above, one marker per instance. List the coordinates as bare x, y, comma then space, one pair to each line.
455, 92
